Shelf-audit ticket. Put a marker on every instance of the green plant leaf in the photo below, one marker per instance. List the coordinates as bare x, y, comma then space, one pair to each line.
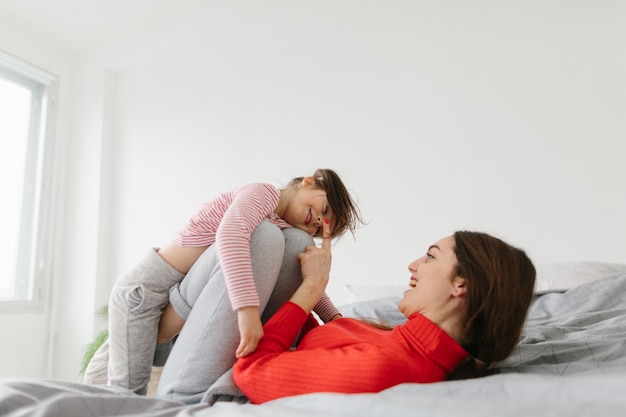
92, 348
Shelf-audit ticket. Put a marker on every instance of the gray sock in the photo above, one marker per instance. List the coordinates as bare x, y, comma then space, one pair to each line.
161, 353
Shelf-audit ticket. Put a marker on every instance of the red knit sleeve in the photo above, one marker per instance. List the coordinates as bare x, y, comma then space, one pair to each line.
311, 323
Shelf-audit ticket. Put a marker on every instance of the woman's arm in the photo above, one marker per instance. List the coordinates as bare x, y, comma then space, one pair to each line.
315, 267
274, 371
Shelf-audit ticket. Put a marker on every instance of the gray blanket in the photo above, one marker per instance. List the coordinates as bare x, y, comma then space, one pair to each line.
574, 331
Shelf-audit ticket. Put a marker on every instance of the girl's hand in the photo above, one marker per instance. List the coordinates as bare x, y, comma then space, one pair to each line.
250, 330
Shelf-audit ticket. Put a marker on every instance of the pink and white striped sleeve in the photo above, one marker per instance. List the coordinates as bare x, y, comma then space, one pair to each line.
250, 205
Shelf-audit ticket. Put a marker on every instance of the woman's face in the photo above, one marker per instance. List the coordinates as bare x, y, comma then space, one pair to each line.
433, 280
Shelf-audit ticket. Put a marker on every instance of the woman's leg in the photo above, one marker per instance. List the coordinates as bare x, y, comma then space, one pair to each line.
205, 348
290, 277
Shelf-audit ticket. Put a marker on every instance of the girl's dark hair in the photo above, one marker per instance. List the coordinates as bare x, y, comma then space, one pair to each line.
348, 216
500, 282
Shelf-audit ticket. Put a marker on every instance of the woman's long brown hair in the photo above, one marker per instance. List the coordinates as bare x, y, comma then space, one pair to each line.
500, 281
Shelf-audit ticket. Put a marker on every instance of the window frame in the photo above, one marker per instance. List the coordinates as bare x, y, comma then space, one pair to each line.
34, 262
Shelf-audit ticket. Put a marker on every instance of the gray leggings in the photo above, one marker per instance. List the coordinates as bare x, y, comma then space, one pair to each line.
205, 348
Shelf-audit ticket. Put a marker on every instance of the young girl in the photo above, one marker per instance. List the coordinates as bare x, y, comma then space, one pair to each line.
140, 295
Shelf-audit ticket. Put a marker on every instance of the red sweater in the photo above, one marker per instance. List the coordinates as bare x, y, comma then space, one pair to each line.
345, 355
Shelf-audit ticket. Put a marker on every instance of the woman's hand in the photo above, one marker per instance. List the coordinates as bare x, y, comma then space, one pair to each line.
315, 267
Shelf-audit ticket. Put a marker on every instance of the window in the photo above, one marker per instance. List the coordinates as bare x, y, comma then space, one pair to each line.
26, 106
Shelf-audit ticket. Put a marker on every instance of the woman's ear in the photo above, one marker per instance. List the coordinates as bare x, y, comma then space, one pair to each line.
459, 285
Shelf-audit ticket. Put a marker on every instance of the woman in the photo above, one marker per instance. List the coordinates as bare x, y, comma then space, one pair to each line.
466, 306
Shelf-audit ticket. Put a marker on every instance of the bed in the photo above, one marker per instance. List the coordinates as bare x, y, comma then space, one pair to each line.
571, 361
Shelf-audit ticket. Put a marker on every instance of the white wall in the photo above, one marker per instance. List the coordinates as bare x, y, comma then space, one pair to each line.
505, 117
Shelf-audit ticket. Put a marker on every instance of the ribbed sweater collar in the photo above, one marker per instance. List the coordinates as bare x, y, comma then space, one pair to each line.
424, 335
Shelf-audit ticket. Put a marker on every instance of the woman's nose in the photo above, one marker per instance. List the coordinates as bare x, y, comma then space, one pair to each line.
415, 264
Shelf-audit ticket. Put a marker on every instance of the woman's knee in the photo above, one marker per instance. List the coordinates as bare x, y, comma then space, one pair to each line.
267, 237
296, 241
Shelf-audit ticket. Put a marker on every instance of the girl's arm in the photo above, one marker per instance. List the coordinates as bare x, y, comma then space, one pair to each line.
251, 204
326, 309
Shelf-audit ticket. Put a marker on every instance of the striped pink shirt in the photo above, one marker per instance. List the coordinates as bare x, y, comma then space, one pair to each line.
228, 220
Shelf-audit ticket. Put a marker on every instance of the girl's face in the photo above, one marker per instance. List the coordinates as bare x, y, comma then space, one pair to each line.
433, 280
308, 208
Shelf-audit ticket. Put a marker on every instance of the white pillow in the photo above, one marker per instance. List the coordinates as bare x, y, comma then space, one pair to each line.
550, 277
375, 302
370, 292
567, 275
384, 310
